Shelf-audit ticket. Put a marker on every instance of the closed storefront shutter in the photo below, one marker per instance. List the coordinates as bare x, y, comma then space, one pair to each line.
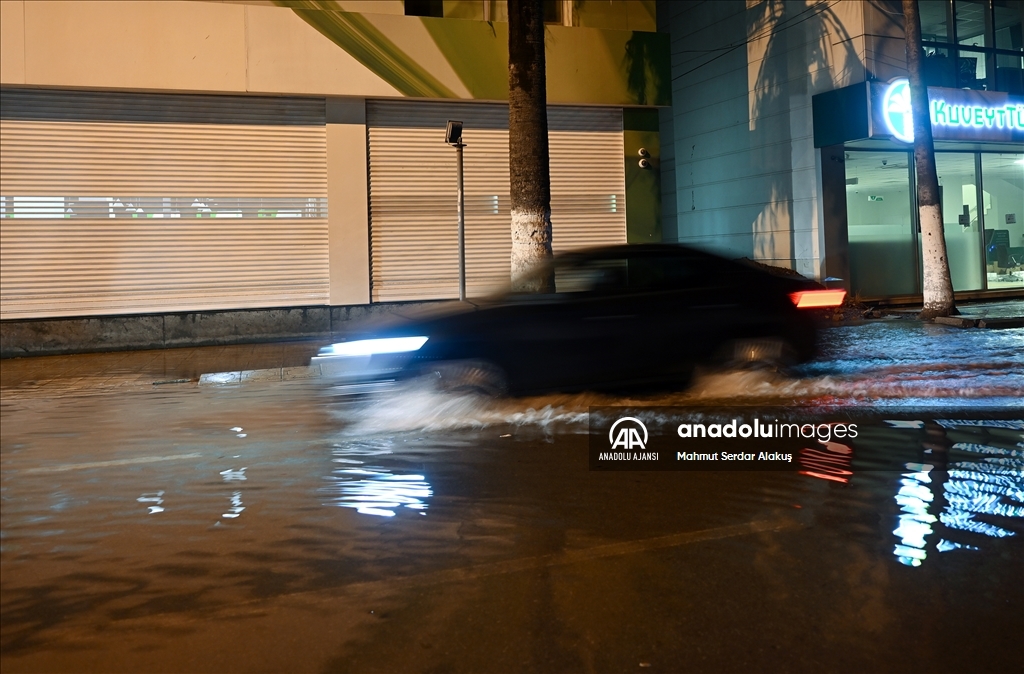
135, 203
413, 210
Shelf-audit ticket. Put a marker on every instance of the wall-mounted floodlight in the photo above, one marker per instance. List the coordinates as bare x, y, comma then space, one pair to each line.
453, 134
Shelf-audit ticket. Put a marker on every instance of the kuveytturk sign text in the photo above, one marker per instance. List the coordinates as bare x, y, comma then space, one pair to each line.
956, 114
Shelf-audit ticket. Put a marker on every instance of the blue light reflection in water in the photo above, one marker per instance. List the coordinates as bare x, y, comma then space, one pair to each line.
991, 487
914, 497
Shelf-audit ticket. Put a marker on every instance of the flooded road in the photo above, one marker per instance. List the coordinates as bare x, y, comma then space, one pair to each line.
288, 526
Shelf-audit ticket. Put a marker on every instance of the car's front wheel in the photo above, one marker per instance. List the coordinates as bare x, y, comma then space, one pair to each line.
467, 376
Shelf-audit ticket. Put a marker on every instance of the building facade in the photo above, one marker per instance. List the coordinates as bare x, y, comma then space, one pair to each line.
183, 162
789, 145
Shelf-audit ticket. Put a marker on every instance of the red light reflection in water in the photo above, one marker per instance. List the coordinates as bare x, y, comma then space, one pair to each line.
833, 463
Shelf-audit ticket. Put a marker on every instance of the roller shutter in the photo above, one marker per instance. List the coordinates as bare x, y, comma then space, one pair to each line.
413, 215
137, 203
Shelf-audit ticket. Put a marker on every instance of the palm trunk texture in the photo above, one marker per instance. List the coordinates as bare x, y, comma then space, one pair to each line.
937, 288
530, 182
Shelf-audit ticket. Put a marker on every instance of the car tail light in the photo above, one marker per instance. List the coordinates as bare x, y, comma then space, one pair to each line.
815, 299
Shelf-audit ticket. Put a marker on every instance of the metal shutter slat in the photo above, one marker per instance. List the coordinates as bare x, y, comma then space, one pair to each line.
83, 106
414, 232
149, 147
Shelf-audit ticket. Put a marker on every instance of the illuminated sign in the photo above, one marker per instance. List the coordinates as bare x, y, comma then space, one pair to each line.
897, 112
956, 114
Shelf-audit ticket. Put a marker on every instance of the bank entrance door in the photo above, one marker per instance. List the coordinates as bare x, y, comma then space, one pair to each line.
983, 215
881, 224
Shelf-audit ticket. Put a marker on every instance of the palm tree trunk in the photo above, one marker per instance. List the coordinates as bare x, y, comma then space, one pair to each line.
530, 183
938, 287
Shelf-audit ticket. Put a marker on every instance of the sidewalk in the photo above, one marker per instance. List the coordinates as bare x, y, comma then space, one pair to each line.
991, 315
64, 375
1006, 309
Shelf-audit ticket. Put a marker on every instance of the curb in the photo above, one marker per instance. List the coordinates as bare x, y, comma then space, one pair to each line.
984, 323
957, 321
272, 374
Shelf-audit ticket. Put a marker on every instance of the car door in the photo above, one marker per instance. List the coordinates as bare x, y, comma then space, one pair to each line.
571, 338
681, 308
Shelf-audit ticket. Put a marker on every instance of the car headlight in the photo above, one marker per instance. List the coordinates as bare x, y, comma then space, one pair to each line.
370, 347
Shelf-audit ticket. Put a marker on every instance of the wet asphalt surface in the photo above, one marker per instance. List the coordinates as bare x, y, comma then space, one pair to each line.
152, 524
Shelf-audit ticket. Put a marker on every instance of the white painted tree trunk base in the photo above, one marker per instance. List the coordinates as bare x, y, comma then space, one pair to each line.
937, 289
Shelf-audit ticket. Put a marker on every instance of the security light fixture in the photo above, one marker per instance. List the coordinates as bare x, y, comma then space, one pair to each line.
453, 134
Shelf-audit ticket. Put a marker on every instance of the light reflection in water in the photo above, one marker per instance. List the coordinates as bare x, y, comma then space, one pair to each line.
992, 486
378, 492
831, 463
234, 475
236, 506
373, 490
156, 498
914, 497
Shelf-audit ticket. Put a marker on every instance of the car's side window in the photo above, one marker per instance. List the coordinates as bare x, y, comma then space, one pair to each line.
655, 273
633, 274
604, 276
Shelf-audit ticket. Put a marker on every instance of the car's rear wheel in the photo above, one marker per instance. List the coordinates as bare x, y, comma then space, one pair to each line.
758, 352
468, 376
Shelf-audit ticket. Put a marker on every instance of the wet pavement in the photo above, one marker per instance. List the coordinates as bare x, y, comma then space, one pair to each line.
150, 523
1003, 309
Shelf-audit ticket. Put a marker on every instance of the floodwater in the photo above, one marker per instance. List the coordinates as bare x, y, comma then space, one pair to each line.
290, 526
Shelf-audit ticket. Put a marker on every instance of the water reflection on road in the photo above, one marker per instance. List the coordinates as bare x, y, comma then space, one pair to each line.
974, 486
186, 499
361, 483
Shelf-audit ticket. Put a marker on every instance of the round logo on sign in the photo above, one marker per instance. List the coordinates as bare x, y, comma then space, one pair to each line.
899, 118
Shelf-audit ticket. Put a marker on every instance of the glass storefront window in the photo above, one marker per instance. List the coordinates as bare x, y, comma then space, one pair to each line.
939, 68
935, 23
961, 218
203, 206
1010, 73
981, 48
1009, 15
883, 248
1003, 182
983, 221
972, 18
971, 70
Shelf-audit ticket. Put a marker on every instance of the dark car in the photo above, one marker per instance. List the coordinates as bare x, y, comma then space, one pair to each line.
623, 317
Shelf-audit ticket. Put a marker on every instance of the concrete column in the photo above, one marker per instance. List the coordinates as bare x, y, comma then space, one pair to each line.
836, 241
347, 201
